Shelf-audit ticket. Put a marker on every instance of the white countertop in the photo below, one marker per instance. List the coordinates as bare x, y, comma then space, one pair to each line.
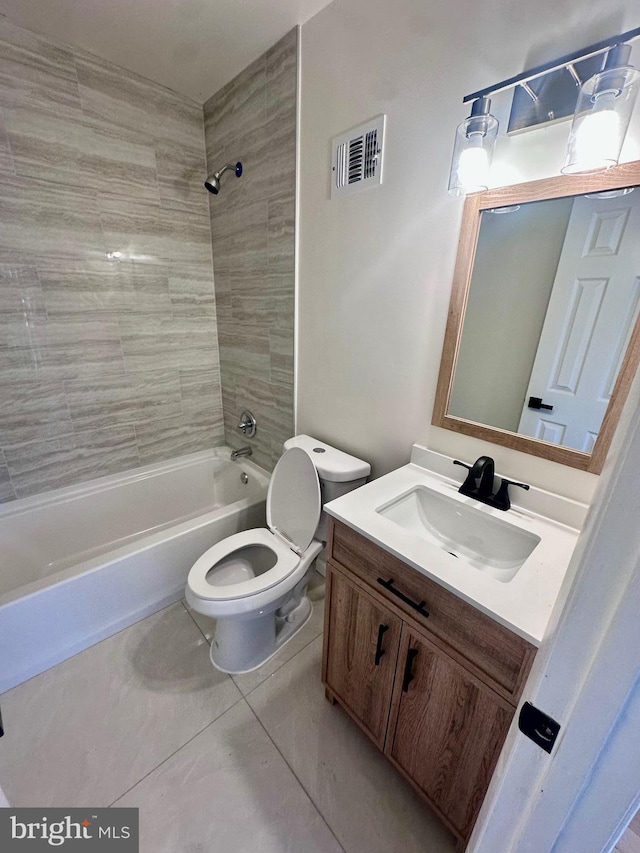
523, 604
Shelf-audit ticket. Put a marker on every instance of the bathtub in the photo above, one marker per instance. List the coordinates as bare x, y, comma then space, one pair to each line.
80, 563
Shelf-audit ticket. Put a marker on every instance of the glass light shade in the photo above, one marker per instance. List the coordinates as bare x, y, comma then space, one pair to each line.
472, 155
601, 119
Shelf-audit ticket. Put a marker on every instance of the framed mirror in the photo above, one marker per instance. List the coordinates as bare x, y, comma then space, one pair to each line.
543, 333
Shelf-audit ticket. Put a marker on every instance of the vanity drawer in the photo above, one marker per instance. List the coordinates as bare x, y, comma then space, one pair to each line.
495, 653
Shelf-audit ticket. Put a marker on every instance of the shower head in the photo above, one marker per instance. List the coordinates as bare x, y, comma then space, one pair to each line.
213, 181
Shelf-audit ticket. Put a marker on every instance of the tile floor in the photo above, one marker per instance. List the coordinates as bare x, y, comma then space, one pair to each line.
259, 763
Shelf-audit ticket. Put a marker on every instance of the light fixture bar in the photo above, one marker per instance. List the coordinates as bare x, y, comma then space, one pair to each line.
576, 77
554, 65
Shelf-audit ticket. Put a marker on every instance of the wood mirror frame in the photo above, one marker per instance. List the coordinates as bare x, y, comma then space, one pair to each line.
624, 175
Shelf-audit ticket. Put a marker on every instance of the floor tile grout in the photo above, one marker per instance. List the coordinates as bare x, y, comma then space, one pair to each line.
164, 760
295, 775
284, 663
245, 698
190, 615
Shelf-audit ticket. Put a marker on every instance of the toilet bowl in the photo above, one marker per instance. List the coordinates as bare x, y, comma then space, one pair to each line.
254, 582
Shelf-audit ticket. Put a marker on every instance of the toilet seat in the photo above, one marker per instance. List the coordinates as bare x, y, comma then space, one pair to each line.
293, 511
287, 560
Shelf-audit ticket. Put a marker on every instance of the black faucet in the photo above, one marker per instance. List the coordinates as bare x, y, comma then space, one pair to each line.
479, 483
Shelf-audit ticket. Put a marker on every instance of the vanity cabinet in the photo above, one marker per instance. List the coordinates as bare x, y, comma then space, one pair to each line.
432, 680
362, 665
446, 730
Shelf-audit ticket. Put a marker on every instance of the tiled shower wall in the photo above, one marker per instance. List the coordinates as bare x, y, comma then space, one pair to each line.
253, 119
108, 346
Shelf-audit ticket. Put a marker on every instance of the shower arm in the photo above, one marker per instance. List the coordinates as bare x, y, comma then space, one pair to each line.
229, 166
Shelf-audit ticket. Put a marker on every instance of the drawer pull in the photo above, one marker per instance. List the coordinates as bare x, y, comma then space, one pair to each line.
389, 586
412, 654
379, 649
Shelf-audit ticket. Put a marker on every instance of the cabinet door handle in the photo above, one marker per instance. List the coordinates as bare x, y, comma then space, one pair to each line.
379, 649
419, 606
412, 654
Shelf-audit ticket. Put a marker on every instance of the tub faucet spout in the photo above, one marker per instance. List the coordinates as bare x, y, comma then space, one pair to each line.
242, 451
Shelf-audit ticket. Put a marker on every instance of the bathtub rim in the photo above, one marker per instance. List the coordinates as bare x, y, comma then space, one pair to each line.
131, 475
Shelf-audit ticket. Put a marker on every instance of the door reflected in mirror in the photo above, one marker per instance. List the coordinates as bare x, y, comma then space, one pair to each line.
554, 297
543, 336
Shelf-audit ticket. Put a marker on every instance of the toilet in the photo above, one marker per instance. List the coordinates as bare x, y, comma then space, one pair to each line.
254, 583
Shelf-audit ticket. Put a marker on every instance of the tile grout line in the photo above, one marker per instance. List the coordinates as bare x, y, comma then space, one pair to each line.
295, 776
190, 615
240, 699
245, 699
284, 663
182, 746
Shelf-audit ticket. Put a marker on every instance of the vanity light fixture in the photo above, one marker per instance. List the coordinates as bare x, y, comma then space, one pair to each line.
602, 115
601, 108
473, 150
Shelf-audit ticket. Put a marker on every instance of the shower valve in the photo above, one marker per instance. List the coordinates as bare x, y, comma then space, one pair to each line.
247, 424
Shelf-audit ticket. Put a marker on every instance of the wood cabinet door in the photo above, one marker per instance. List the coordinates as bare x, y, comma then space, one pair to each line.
446, 730
361, 651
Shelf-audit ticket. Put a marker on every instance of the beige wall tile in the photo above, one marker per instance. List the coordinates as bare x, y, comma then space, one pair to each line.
191, 291
177, 436
6, 160
123, 354
106, 289
47, 220
32, 410
177, 344
180, 175
83, 153
20, 291
36, 72
7, 492
127, 101
238, 108
253, 119
40, 466
131, 399
154, 234
95, 160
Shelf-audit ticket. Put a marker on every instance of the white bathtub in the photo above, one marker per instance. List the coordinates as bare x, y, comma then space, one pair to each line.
80, 563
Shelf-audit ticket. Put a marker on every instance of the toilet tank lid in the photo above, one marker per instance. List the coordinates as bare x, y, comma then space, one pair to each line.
331, 464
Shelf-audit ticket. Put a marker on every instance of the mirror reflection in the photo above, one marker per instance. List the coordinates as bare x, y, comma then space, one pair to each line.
554, 295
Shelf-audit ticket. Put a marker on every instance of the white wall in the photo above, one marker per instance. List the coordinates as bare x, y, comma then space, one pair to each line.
376, 268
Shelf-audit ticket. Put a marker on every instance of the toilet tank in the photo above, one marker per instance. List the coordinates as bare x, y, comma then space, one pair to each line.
338, 472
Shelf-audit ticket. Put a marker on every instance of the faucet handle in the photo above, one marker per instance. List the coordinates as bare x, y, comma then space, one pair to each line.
470, 481
501, 497
247, 424
506, 483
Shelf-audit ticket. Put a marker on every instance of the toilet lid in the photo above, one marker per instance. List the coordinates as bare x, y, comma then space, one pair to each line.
293, 498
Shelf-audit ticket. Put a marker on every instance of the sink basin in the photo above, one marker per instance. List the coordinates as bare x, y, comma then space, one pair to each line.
482, 540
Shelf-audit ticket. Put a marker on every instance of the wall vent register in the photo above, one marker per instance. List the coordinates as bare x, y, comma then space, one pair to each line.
356, 158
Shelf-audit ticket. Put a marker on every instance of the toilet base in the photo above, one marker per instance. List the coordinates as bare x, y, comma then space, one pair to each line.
240, 646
